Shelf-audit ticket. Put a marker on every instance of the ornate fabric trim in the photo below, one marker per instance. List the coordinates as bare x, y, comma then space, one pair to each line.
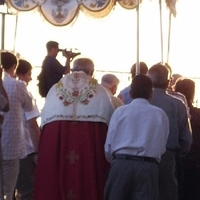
63, 12
77, 97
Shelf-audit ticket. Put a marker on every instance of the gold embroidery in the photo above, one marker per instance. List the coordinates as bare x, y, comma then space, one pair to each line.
70, 195
69, 94
72, 157
77, 90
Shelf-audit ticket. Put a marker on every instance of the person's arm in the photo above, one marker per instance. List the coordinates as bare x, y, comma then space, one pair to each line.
24, 96
34, 131
108, 147
4, 94
69, 56
185, 136
67, 66
121, 98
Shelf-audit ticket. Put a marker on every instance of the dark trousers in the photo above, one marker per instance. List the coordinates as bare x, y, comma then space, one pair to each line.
168, 186
25, 181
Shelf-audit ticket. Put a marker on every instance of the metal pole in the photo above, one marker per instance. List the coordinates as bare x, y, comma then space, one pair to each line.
1, 157
161, 31
138, 38
15, 36
1, 170
169, 36
3, 31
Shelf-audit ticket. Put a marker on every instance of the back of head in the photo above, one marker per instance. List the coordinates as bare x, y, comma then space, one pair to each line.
23, 67
143, 69
109, 80
187, 88
8, 60
51, 44
175, 77
159, 76
141, 87
83, 64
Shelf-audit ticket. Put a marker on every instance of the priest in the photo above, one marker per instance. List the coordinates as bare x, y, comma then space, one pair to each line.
74, 122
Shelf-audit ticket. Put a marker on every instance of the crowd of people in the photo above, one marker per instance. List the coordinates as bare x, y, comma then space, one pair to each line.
92, 143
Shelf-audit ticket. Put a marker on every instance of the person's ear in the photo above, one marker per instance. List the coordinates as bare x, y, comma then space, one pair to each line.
168, 83
114, 89
92, 73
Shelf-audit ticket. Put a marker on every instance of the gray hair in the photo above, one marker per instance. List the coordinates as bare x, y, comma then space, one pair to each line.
83, 64
109, 80
159, 75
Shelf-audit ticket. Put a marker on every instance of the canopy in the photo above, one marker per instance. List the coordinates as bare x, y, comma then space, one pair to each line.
63, 12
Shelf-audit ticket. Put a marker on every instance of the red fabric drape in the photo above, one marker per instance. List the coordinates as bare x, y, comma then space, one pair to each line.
71, 163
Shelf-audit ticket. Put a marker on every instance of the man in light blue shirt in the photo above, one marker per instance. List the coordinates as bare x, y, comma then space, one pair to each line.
124, 94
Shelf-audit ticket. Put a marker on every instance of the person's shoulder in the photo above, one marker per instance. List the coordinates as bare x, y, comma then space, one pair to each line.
19, 82
12, 81
125, 90
174, 97
48, 60
157, 110
177, 95
20, 85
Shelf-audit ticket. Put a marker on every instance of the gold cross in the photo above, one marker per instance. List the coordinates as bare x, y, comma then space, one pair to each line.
72, 157
70, 195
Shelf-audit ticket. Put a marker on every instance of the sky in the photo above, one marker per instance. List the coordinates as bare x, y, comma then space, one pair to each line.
112, 41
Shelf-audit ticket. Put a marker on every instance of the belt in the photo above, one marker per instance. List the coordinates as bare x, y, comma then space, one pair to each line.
135, 158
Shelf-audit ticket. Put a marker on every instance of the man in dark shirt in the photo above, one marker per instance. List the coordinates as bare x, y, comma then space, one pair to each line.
180, 137
52, 70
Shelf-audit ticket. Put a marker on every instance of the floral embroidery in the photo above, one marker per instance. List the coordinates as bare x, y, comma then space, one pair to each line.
79, 118
76, 91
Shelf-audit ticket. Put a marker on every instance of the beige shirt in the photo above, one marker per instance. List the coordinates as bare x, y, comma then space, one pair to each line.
116, 102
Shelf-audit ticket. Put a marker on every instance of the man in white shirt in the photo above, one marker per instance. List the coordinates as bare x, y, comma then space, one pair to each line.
134, 132
25, 181
13, 146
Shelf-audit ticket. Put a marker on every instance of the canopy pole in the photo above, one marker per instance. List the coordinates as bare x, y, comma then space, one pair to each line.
138, 38
15, 36
1, 157
2, 31
169, 35
161, 31
1, 170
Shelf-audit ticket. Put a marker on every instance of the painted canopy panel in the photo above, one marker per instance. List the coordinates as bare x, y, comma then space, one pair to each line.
62, 12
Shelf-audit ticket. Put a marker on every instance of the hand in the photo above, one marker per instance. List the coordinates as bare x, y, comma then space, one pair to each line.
70, 55
1, 71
